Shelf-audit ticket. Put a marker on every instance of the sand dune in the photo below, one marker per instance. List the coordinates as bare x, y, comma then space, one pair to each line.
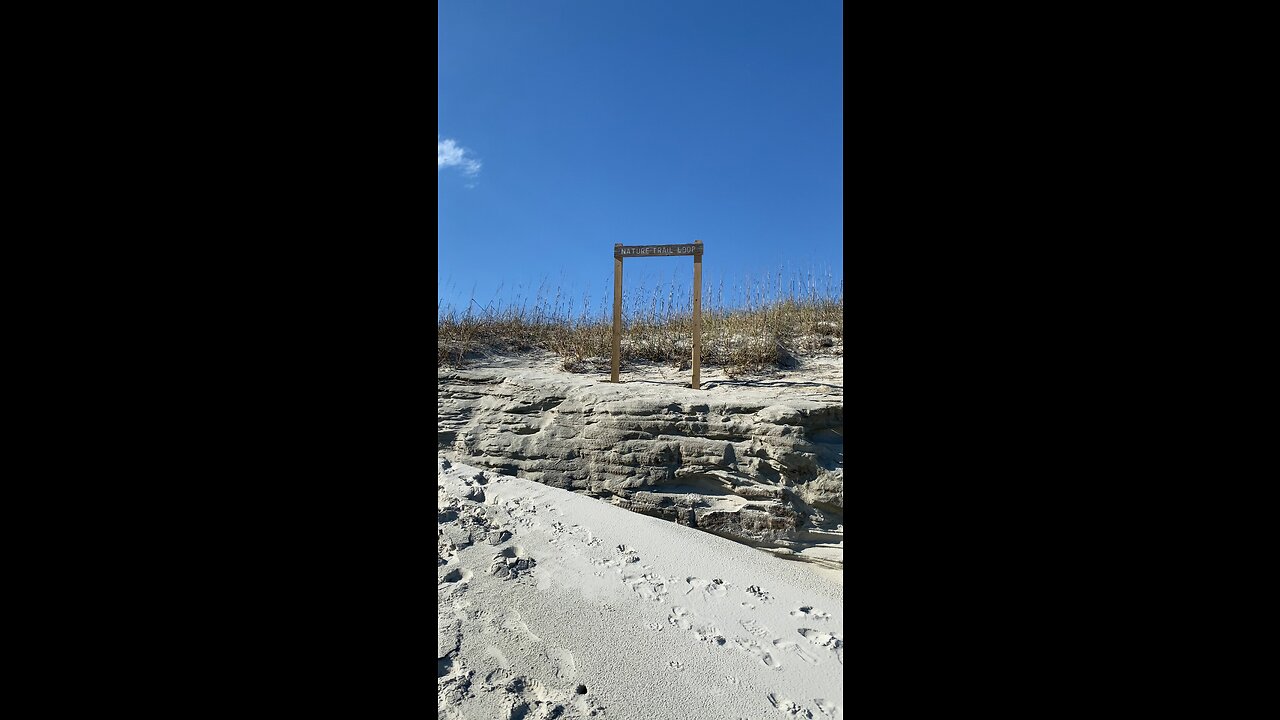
552, 604
759, 460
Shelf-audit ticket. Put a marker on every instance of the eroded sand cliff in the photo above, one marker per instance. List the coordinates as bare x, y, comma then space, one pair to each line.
759, 460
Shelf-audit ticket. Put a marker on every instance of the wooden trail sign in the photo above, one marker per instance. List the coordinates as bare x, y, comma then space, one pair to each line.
627, 251
621, 251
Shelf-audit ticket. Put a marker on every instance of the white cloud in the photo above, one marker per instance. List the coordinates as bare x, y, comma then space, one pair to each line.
449, 154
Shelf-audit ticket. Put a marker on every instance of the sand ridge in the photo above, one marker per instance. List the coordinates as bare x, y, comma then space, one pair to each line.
552, 604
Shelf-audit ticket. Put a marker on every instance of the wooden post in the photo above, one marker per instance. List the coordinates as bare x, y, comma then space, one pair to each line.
697, 313
617, 308
620, 252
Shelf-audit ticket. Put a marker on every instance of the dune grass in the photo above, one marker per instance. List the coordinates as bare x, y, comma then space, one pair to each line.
767, 323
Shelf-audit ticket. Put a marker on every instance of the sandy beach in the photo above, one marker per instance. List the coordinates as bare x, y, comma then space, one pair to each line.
553, 604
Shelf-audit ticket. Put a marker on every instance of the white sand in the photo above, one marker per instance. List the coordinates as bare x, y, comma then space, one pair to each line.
656, 620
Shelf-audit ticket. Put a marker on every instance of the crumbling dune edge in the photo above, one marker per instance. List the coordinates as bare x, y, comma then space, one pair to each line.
760, 462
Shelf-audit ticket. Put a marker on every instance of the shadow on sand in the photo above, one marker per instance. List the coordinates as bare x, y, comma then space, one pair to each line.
776, 383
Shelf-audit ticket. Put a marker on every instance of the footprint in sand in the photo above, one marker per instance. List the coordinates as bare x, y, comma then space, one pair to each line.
794, 649
511, 562
564, 664
755, 649
807, 612
683, 618
520, 690
499, 657
576, 533
497, 536
654, 626
522, 513
520, 709
755, 628
708, 589
454, 685
826, 707
446, 551
648, 586
832, 641
448, 639
514, 623
495, 679
560, 533
623, 556
457, 575
788, 707
708, 633
680, 618
821, 638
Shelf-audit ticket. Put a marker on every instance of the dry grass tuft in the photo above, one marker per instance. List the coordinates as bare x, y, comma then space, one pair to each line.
766, 328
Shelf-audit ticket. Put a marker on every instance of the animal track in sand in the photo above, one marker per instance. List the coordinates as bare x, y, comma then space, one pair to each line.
809, 613
755, 590
676, 665
654, 626
751, 647
788, 707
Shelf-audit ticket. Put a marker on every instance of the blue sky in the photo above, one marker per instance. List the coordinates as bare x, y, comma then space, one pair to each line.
565, 126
